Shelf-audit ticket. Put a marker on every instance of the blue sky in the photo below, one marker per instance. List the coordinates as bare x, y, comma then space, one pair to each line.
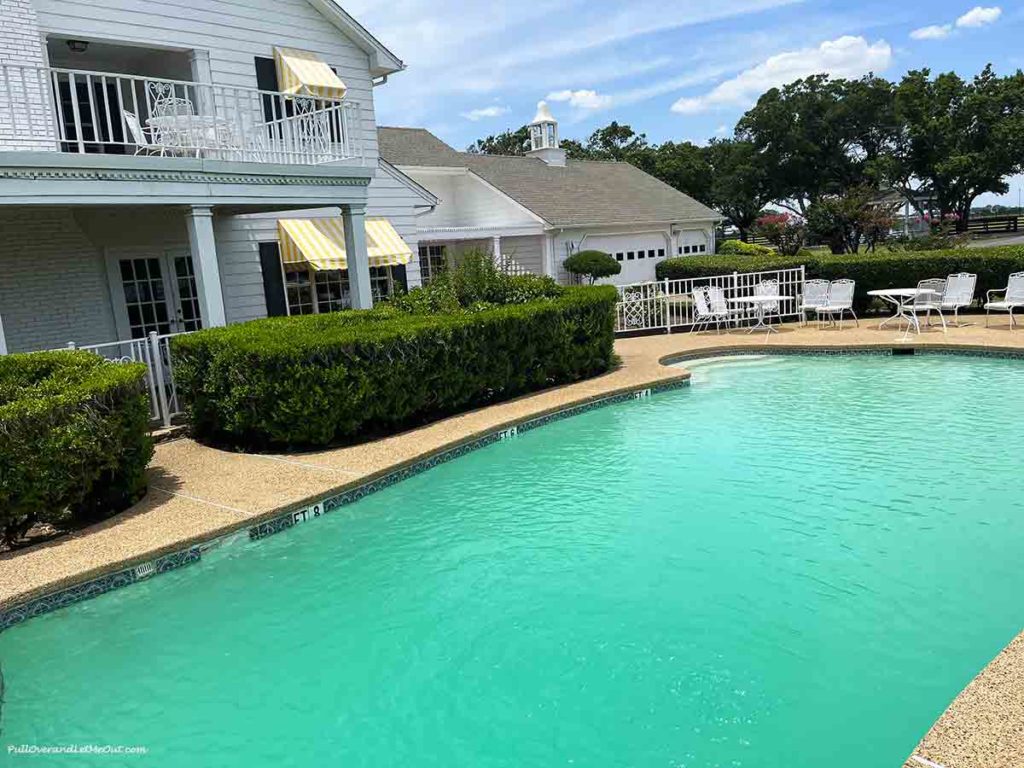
673, 69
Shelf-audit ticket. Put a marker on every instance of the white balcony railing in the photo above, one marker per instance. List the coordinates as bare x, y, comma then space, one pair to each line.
103, 113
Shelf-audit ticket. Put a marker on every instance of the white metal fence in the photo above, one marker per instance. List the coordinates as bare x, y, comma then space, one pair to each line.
96, 112
155, 352
668, 304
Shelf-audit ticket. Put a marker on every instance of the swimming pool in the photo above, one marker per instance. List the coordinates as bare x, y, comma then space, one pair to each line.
798, 561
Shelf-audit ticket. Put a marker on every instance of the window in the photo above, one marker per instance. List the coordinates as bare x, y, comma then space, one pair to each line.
661, 252
680, 250
619, 256
433, 261
702, 248
331, 289
298, 290
650, 254
145, 297
630, 255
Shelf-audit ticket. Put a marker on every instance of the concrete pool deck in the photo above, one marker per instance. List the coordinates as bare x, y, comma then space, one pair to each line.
198, 493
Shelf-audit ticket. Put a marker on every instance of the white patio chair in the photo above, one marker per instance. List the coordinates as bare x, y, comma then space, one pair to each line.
143, 146
840, 301
769, 288
163, 101
1013, 297
815, 295
959, 293
720, 307
702, 314
928, 299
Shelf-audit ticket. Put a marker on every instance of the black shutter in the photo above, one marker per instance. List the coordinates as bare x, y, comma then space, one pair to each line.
266, 80
273, 282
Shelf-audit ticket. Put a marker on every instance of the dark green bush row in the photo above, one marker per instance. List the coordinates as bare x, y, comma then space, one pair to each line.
317, 380
884, 269
74, 439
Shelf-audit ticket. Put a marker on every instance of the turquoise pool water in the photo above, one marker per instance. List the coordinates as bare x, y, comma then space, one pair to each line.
795, 563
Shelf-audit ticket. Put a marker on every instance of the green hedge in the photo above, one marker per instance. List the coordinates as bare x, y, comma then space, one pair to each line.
321, 379
75, 441
885, 269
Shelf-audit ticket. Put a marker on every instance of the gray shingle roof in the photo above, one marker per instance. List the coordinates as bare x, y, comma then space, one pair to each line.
584, 192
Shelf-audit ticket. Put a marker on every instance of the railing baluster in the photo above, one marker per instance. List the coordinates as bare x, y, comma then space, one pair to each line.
76, 112
90, 92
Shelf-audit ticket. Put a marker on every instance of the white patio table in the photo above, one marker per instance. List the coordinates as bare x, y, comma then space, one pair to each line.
898, 297
193, 133
759, 302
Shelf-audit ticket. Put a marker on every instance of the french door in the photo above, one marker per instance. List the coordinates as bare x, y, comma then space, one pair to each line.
154, 290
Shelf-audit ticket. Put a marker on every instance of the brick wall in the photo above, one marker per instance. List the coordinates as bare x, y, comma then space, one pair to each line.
26, 117
53, 283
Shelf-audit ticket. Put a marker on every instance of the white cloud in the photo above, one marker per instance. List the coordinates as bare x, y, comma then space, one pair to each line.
485, 112
844, 57
932, 32
979, 16
582, 99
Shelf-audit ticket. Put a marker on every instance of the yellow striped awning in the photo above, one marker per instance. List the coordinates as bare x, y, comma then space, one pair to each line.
320, 243
302, 73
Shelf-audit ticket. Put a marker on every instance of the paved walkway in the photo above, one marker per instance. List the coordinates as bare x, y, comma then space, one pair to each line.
197, 493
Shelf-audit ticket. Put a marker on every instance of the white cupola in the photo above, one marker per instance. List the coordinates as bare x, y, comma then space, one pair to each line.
544, 137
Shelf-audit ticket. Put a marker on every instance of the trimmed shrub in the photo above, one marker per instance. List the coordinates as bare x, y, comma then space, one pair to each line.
321, 379
882, 269
75, 439
739, 248
593, 265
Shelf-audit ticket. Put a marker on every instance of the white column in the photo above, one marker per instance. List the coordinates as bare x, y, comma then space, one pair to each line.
496, 249
3, 339
202, 73
204, 261
353, 218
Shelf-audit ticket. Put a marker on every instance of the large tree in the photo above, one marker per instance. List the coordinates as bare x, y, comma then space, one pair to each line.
739, 182
820, 136
505, 143
957, 139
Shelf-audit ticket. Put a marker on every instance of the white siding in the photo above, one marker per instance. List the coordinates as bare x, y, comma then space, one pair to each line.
20, 45
53, 282
393, 199
234, 32
527, 252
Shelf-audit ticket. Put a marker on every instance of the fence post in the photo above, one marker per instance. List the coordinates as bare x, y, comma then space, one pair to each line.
668, 307
156, 371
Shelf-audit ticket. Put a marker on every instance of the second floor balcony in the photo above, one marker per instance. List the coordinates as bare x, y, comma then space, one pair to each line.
97, 113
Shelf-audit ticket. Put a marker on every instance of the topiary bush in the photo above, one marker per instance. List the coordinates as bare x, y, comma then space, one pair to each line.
880, 269
75, 439
321, 379
593, 265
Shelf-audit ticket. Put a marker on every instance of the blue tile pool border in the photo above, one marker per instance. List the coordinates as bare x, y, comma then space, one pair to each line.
124, 577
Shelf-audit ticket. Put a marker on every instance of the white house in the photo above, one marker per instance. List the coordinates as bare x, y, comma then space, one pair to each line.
160, 164
532, 212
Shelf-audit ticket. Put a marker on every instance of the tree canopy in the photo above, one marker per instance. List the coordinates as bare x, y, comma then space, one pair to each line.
939, 141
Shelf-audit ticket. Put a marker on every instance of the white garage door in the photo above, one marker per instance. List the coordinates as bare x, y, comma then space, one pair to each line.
637, 254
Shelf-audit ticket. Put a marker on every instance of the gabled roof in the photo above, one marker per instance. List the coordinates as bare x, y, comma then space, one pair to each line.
382, 61
584, 192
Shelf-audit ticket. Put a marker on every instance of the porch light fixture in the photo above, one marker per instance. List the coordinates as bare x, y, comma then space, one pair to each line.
78, 46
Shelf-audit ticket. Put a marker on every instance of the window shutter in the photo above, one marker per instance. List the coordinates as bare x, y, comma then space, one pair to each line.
273, 282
